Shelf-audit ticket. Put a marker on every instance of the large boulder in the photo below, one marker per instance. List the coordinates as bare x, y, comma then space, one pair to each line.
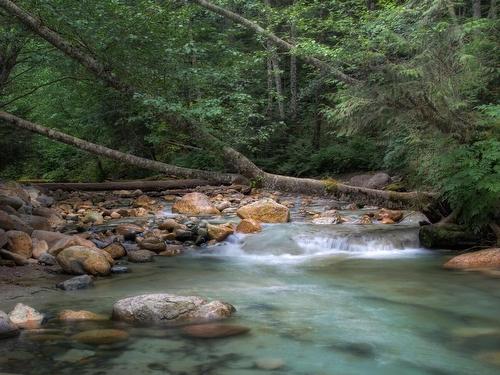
79, 260
265, 211
220, 232
7, 328
169, 308
488, 258
26, 317
195, 204
447, 236
19, 243
248, 226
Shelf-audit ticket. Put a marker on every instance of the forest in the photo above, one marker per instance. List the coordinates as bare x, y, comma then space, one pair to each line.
330, 167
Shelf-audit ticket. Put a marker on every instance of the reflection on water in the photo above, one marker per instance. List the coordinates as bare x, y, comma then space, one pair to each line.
318, 299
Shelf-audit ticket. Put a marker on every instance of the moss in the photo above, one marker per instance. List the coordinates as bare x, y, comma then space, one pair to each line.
331, 185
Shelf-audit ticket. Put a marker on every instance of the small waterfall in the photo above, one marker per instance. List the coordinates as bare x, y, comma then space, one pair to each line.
296, 243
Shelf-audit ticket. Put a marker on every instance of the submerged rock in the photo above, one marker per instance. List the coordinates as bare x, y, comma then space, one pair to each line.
7, 327
269, 364
119, 269
78, 282
169, 308
195, 204
140, 256
26, 317
101, 336
75, 356
488, 258
214, 330
79, 260
265, 211
72, 315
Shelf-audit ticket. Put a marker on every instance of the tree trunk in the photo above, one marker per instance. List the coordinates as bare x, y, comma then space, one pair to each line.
278, 85
492, 13
370, 4
275, 40
476, 8
270, 85
293, 77
116, 155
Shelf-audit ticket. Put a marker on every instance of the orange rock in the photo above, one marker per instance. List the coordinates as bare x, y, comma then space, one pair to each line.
393, 215
73, 315
248, 226
488, 258
19, 243
195, 204
220, 232
265, 211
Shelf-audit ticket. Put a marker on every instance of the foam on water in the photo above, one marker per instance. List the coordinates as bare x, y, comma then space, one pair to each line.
298, 243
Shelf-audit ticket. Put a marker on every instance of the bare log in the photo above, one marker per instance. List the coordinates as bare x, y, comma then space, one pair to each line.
116, 155
277, 41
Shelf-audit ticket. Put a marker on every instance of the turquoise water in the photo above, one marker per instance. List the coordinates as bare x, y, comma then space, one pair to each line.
320, 299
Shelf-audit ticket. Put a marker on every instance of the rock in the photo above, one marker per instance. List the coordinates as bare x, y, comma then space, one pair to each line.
140, 256
78, 282
119, 269
20, 225
3, 238
69, 241
447, 236
183, 235
36, 222
128, 231
46, 212
265, 211
490, 357
93, 217
19, 243
13, 189
153, 244
115, 215
101, 336
7, 328
488, 258
172, 250
39, 247
214, 330
144, 201
26, 317
72, 315
79, 260
14, 202
269, 364
248, 226
75, 356
47, 259
220, 232
50, 237
195, 204
389, 216
170, 225
169, 308
221, 206
115, 250
364, 220
19, 260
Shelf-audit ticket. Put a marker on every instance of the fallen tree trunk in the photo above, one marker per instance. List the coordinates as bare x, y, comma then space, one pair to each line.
213, 177
143, 185
275, 39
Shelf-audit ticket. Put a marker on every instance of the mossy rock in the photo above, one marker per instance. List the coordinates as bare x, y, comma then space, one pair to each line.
448, 236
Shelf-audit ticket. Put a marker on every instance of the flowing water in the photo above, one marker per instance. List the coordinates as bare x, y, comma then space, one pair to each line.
320, 299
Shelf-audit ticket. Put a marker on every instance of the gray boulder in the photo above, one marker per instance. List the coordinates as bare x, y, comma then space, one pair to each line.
169, 308
78, 282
